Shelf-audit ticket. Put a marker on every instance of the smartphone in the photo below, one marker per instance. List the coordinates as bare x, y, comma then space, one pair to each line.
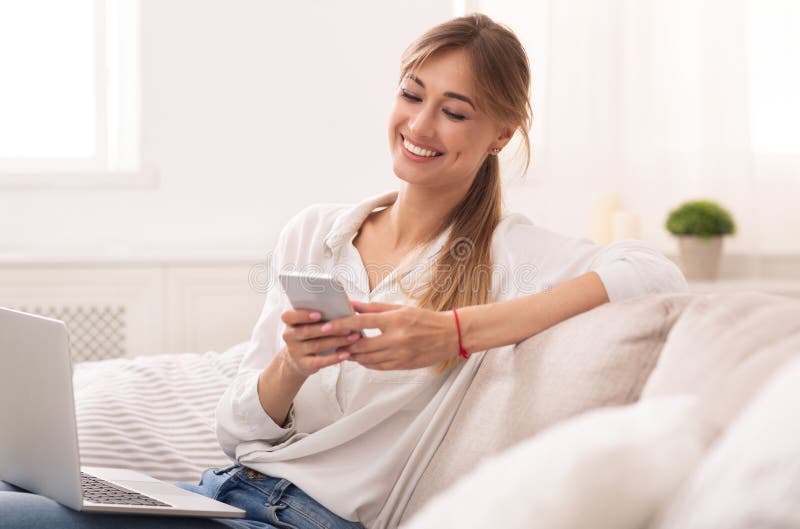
319, 292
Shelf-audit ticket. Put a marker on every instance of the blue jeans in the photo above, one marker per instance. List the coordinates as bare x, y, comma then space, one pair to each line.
270, 503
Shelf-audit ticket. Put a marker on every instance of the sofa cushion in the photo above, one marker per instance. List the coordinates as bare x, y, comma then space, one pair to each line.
723, 348
750, 479
598, 358
606, 469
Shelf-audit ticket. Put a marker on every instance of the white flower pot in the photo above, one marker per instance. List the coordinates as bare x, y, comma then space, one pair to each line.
700, 257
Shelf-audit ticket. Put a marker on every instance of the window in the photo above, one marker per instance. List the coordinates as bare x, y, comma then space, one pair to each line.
69, 101
773, 49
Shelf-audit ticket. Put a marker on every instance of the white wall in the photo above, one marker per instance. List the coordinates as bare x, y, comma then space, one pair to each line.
251, 111
570, 164
617, 107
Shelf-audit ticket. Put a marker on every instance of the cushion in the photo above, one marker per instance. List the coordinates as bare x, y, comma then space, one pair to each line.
750, 478
724, 346
608, 468
154, 414
597, 358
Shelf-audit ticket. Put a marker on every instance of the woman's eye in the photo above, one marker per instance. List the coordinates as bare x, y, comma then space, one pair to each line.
407, 95
414, 99
457, 117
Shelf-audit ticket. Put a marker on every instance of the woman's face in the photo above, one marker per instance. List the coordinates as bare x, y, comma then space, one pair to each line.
437, 136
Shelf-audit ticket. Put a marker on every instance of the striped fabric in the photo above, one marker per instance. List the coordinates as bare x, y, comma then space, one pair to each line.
154, 414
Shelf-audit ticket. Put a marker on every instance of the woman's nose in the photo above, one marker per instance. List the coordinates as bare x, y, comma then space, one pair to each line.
421, 124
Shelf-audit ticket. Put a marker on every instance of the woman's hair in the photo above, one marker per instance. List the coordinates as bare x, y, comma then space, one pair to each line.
461, 274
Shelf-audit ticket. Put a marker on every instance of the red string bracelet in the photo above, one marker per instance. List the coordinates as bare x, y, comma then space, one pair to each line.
463, 352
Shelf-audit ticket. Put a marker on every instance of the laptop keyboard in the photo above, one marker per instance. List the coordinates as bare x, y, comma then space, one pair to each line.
100, 491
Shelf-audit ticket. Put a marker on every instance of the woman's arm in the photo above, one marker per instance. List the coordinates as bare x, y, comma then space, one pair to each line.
278, 384
584, 276
509, 322
412, 337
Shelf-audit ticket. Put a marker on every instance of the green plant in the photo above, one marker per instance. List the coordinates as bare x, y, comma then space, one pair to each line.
701, 218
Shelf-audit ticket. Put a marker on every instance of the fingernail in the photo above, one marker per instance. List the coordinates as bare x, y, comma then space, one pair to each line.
344, 356
315, 316
352, 338
326, 327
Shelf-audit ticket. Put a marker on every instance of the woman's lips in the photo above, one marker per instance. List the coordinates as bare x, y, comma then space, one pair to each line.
416, 157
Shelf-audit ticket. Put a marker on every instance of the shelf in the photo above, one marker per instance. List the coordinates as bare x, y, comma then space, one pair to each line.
785, 287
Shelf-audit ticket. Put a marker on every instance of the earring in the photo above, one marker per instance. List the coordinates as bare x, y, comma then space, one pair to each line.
495, 151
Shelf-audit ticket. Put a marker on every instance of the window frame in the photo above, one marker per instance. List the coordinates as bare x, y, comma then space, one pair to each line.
117, 161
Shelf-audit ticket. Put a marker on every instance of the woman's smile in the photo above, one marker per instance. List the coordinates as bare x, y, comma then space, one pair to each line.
418, 153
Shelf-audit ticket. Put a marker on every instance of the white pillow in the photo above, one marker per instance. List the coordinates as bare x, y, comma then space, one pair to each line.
609, 468
154, 414
750, 479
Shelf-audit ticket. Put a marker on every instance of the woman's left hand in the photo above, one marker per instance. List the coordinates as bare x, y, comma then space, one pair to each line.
411, 337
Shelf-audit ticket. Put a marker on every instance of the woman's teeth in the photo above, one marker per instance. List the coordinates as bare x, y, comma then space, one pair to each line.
418, 150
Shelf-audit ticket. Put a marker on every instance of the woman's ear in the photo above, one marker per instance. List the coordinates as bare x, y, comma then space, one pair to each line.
503, 138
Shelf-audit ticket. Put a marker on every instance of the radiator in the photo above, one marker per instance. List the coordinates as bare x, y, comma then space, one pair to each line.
96, 332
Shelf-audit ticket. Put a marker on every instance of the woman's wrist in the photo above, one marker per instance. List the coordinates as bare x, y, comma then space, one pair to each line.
461, 351
469, 323
287, 370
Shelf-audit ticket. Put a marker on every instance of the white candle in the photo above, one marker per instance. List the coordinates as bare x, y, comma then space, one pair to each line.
603, 207
624, 225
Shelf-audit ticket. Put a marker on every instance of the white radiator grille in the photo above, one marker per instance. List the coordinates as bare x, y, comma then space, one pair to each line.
95, 332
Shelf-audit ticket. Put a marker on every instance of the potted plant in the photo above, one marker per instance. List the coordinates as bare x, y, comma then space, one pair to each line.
700, 226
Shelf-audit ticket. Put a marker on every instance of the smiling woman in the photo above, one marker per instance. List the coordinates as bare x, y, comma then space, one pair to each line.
463, 93
438, 269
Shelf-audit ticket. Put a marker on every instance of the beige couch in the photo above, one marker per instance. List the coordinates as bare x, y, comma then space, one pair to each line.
684, 455
672, 379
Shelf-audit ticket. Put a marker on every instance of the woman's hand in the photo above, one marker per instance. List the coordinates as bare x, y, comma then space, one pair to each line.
304, 339
411, 337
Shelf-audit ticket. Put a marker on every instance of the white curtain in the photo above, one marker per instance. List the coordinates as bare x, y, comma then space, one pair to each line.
664, 101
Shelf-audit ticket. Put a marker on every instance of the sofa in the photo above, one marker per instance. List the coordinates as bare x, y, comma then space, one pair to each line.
662, 411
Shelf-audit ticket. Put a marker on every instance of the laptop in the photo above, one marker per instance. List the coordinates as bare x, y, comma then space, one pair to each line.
39, 438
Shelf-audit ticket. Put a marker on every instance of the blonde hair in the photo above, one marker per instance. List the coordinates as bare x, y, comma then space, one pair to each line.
461, 274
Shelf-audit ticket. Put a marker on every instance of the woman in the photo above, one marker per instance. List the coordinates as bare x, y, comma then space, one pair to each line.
340, 440
354, 430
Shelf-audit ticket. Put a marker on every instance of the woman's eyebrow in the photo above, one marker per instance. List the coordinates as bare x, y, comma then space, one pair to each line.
452, 95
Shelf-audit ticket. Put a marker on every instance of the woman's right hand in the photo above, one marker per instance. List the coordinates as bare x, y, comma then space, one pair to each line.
304, 340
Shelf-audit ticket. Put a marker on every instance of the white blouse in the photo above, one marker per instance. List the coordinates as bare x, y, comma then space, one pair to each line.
357, 440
